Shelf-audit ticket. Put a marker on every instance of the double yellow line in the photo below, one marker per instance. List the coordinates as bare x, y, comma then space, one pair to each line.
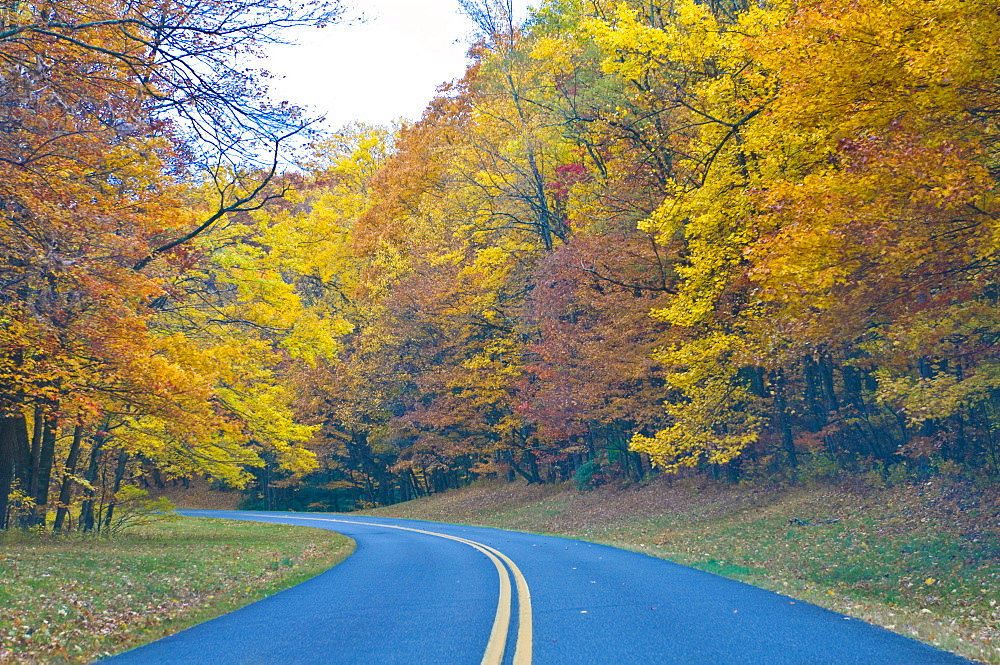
501, 622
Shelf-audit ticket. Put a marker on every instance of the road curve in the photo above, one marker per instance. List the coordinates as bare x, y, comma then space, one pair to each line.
421, 592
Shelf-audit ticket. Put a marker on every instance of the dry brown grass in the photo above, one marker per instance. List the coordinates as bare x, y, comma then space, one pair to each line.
199, 495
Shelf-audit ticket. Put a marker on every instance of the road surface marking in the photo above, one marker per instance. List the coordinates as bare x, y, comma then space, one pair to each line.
501, 622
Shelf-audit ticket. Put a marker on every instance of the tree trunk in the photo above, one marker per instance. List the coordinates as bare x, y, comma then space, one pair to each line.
8, 445
119, 476
87, 509
34, 462
266, 491
532, 466
829, 390
22, 452
784, 422
521, 472
415, 483
65, 492
46, 459
812, 391
386, 483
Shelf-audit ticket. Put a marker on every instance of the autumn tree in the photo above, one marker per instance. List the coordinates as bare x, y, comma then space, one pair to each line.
108, 113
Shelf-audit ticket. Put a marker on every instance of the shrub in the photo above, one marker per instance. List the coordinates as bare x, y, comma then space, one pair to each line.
132, 509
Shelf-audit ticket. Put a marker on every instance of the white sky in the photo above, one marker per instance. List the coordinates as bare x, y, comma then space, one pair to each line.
377, 71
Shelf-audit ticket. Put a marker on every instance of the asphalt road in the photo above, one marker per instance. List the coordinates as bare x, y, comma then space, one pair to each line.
422, 592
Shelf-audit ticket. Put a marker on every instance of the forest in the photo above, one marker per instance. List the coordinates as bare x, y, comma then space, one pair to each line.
754, 240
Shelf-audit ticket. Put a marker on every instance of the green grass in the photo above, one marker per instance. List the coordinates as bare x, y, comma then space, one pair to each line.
922, 560
73, 599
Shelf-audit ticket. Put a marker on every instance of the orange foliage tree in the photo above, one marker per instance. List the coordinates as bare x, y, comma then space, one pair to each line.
108, 111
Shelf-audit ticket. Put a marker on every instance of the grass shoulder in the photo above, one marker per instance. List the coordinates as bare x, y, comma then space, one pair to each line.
74, 599
919, 559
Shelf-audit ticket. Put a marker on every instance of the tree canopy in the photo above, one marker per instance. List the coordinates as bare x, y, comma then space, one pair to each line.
756, 240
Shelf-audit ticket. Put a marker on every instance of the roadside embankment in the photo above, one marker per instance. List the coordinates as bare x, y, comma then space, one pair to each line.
76, 598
